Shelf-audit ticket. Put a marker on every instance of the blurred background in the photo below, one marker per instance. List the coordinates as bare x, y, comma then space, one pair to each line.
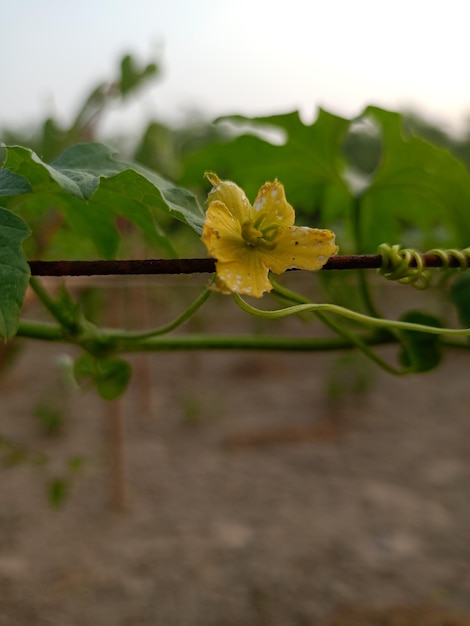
220, 57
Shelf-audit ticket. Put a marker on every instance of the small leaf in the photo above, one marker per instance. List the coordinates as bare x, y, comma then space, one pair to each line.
110, 376
14, 271
420, 351
460, 296
114, 378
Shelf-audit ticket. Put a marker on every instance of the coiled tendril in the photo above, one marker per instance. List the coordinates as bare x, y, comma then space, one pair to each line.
407, 266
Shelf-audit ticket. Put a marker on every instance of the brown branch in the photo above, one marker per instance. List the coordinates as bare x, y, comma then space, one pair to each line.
195, 266
134, 267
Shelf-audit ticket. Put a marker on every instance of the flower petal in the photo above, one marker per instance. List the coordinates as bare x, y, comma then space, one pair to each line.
301, 247
231, 195
247, 275
271, 201
222, 233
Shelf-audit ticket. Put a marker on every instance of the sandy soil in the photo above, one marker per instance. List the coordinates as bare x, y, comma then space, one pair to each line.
257, 495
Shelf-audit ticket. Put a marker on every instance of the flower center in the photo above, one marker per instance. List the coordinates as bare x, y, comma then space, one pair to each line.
255, 236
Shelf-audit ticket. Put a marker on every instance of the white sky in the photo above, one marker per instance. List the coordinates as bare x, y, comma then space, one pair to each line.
241, 56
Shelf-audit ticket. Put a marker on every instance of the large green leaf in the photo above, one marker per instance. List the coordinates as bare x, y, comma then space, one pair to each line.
178, 202
14, 272
12, 185
308, 163
91, 188
419, 190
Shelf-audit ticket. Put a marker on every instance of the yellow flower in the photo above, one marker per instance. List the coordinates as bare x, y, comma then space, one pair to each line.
249, 241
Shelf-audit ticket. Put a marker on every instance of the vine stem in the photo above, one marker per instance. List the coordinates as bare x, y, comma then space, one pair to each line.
181, 319
357, 235
55, 309
50, 332
366, 320
40, 330
354, 340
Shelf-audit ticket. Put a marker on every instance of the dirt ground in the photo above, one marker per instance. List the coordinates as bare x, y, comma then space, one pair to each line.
263, 489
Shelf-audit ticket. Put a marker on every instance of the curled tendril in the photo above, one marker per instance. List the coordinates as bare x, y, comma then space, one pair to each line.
461, 256
407, 266
396, 265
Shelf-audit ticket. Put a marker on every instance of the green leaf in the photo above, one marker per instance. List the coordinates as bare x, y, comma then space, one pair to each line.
420, 351
14, 272
419, 195
91, 189
84, 164
26, 163
90, 164
180, 203
460, 296
110, 376
12, 184
309, 163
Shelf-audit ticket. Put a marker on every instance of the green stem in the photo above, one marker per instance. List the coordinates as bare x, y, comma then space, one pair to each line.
238, 342
50, 332
366, 295
55, 308
373, 322
87, 335
363, 284
163, 330
40, 330
353, 339
130, 343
